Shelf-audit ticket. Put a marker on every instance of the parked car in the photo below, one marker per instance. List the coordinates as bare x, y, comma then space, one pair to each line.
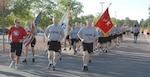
5, 30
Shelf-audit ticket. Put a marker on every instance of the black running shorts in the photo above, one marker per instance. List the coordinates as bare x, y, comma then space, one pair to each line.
16, 47
73, 41
33, 42
54, 46
67, 37
88, 47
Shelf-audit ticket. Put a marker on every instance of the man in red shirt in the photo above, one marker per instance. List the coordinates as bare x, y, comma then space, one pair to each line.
16, 33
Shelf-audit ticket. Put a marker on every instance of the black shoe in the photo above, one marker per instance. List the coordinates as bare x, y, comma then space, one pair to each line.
75, 52
60, 58
65, 49
85, 68
70, 48
90, 61
33, 60
24, 61
106, 51
53, 68
103, 50
49, 66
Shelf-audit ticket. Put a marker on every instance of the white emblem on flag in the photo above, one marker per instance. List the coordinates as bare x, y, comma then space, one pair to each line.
108, 23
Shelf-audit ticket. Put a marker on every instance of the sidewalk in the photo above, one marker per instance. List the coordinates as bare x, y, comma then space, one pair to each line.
127, 60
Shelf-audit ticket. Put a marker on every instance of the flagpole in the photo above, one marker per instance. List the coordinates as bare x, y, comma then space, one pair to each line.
109, 5
69, 12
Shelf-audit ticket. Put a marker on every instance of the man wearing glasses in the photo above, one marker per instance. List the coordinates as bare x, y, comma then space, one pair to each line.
16, 35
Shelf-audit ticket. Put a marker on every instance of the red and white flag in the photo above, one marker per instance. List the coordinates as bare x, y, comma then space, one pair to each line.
30, 36
104, 23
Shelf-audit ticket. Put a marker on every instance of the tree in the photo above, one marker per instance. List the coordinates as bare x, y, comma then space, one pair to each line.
121, 22
141, 22
114, 20
136, 23
47, 7
21, 8
145, 23
97, 16
82, 18
74, 7
18, 9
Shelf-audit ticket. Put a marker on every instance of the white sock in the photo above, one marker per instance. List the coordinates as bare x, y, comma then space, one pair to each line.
54, 63
50, 62
84, 64
76, 49
16, 64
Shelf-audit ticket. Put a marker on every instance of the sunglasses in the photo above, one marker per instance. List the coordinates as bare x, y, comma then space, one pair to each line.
17, 22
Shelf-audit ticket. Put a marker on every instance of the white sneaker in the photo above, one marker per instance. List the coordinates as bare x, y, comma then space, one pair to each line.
16, 66
110, 47
11, 64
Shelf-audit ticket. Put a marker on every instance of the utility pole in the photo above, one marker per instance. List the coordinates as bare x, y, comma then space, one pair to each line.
115, 14
116, 17
149, 10
102, 7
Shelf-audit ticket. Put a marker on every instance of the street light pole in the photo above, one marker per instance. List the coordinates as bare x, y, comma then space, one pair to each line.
102, 6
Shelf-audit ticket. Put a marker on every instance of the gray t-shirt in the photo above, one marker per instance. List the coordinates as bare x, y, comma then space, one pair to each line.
135, 30
54, 33
112, 31
116, 29
100, 33
73, 33
87, 34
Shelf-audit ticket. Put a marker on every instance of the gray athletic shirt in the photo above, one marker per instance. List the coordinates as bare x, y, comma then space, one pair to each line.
87, 34
73, 33
100, 33
54, 33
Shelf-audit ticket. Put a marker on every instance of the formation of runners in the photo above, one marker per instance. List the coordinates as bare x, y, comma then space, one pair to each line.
81, 37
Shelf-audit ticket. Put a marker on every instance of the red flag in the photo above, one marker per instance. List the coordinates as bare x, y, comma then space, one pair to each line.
104, 23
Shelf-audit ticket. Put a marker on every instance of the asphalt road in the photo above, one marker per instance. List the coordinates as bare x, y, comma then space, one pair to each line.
129, 59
